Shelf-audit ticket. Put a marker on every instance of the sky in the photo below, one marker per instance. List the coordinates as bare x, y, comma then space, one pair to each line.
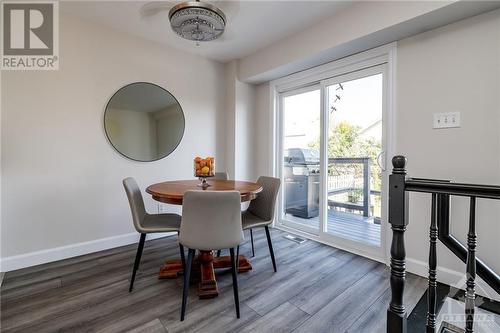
360, 104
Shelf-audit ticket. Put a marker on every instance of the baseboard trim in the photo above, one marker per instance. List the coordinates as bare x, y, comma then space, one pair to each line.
64, 252
450, 277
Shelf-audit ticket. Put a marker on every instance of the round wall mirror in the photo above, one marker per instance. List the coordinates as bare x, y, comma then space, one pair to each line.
144, 122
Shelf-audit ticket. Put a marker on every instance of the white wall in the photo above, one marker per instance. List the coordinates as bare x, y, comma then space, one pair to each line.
263, 140
230, 119
240, 122
244, 133
454, 68
61, 179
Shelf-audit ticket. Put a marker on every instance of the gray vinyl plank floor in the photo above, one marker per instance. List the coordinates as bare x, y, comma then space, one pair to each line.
317, 289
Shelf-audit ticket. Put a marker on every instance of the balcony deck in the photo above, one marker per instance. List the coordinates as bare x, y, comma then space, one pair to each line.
350, 226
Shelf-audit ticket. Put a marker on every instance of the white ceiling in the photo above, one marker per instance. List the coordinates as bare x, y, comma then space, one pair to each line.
251, 25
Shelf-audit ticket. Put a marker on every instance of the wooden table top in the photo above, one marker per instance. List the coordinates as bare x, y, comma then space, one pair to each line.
172, 192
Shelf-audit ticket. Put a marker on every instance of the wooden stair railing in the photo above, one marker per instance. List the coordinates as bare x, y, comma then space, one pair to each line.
440, 190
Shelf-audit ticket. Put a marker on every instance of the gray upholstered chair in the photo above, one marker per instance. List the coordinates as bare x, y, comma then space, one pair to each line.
146, 223
210, 221
221, 175
261, 211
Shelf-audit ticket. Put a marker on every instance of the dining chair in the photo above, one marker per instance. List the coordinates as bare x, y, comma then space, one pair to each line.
261, 211
146, 223
210, 221
220, 176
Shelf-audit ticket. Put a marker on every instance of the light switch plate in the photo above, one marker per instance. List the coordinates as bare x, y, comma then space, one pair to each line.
446, 120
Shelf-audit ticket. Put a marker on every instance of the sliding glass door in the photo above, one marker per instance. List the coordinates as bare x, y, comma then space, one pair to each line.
332, 142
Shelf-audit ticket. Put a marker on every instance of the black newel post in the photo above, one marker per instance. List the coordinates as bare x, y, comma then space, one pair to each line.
398, 218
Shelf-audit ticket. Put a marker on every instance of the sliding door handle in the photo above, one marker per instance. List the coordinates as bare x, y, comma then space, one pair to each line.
379, 157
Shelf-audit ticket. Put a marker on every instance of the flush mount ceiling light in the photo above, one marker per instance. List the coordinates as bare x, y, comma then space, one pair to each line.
197, 21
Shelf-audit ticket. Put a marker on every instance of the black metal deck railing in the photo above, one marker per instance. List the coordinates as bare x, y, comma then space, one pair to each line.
440, 191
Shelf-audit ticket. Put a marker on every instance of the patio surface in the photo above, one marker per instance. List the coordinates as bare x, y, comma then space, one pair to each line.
346, 225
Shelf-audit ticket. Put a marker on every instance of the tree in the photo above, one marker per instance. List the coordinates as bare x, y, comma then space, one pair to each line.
345, 140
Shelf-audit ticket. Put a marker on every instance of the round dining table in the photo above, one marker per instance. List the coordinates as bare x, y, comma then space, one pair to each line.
172, 192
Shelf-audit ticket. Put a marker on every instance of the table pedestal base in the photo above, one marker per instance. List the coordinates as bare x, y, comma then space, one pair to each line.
204, 266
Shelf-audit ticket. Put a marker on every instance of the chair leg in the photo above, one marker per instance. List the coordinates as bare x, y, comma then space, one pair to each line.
183, 257
187, 275
218, 253
137, 260
251, 239
237, 257
269, 242
235, 283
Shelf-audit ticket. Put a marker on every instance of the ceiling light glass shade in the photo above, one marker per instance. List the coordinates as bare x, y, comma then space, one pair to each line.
197, 21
